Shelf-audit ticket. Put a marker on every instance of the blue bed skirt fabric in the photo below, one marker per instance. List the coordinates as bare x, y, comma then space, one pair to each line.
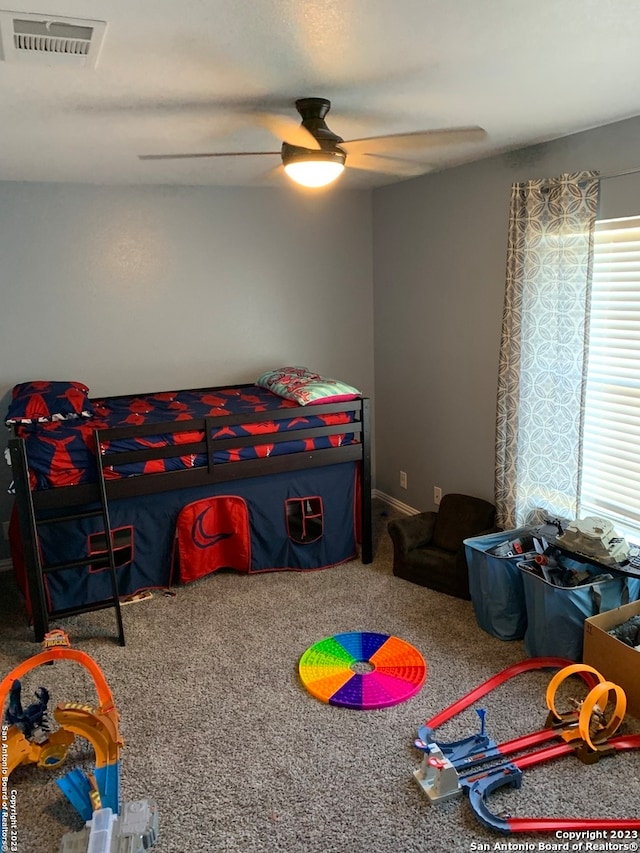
150, 522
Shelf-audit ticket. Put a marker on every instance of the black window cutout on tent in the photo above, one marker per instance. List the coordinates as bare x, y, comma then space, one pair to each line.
305, 519
122, 539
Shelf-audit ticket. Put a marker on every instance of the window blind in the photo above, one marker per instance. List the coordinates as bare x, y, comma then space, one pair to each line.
611, 444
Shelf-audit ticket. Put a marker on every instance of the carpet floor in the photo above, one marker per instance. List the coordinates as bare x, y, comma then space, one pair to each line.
239, 756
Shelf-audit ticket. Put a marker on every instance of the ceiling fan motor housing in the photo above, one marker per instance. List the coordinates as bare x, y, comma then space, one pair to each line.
313, 112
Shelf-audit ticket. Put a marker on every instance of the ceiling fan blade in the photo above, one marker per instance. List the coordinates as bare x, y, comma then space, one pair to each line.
287, 129
386, 165
284, 128
208, 154
413, 141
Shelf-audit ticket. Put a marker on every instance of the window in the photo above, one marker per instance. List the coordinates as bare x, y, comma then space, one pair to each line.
611, 443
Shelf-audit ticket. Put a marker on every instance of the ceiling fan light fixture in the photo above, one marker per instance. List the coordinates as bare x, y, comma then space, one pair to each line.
313, 168
314, 156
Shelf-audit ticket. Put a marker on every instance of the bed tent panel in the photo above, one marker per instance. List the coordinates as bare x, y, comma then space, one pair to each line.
144, 532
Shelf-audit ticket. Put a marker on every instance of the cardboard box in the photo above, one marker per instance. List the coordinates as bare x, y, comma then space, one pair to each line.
613, 659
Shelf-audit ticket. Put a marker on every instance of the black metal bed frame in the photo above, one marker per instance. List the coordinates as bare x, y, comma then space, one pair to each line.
50, 506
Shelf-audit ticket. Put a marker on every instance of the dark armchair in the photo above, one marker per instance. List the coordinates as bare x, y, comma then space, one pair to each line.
428, 549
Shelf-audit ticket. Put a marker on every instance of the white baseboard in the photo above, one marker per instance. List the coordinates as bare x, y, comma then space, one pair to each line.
405, 509
6, 566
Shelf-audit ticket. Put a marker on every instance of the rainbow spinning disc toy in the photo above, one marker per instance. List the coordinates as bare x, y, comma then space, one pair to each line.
362, 670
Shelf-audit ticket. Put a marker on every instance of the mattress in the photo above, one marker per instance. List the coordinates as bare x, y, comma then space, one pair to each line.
62, 453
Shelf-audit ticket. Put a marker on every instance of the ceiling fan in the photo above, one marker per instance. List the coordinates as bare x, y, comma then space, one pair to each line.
314, 156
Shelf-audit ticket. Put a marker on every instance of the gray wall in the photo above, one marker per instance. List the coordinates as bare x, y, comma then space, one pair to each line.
439, 274
135, 289
130, 289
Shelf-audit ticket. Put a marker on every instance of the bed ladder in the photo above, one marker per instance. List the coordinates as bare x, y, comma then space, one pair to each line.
30, 522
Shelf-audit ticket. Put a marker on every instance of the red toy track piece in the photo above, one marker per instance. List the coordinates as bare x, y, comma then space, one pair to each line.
497, 680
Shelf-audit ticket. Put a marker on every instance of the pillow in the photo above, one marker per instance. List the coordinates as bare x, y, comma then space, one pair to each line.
306, 388
40, 402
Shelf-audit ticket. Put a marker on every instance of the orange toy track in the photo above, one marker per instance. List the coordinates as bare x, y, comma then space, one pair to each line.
99, 725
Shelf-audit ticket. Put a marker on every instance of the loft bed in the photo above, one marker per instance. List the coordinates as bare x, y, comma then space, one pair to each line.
101, 487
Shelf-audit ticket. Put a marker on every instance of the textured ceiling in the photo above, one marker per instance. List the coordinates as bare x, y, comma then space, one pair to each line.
197, 75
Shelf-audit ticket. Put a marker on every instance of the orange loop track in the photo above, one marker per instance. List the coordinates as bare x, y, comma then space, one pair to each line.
100, 727
105, 695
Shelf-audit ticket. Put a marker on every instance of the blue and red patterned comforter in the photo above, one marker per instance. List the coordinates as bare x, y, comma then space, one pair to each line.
63, 453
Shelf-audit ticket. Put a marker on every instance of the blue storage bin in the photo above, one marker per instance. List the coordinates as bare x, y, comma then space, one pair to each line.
495, 584
556, 615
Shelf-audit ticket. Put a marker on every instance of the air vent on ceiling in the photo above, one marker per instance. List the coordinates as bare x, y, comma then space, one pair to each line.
46, 40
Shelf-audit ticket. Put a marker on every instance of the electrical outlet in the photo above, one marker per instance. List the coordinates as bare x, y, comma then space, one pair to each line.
437, 495
403, 479
5, 530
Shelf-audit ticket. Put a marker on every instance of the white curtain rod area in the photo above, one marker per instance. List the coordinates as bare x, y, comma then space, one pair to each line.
620, 174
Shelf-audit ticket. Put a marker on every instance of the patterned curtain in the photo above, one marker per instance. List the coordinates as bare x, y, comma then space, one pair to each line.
543, 354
